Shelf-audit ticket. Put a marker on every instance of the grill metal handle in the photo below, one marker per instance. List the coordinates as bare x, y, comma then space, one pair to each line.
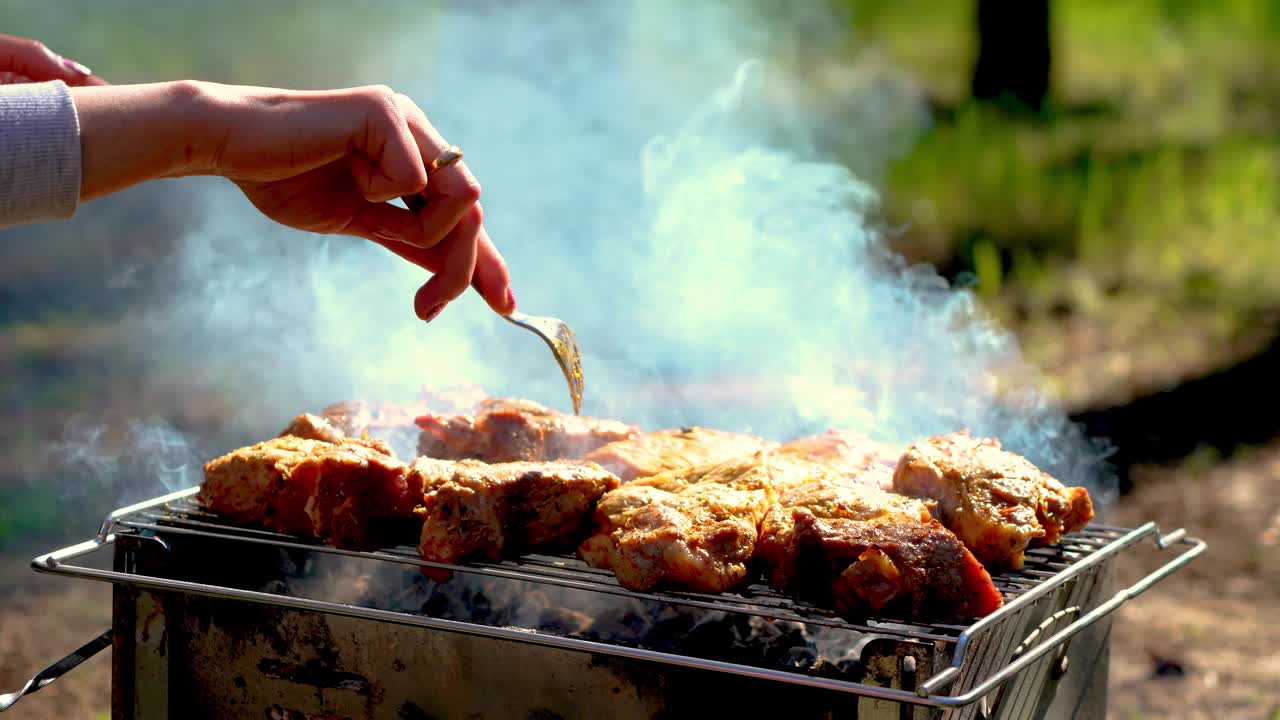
58, 669
104, 639
1163, 542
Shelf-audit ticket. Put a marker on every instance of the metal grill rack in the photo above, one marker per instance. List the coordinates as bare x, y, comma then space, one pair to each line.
1050, 595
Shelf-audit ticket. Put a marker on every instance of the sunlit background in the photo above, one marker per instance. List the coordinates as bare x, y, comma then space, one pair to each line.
1122, 226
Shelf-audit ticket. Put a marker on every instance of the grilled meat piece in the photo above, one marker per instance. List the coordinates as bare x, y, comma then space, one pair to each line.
695, 528
313, 427
511, 430
670, 450
849, 453
476, 509
394, 422
355, 418
353, 493
996, 501
842, 539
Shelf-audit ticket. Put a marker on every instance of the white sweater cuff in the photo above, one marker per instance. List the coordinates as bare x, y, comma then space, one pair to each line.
39, 153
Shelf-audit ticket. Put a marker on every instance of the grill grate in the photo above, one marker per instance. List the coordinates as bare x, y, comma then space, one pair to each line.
186, 516
1057, 582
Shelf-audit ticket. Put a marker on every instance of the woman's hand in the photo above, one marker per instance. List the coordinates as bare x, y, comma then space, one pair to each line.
23, 60
324, 162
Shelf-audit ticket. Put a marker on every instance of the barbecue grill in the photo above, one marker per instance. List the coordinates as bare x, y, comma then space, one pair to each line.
212, 620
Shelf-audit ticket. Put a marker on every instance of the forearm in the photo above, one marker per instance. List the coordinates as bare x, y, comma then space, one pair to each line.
133, 133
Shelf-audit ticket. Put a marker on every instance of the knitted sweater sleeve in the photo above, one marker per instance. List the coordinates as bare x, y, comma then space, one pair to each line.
39, 153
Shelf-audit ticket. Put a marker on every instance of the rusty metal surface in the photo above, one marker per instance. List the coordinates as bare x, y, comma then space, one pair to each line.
224, 659
199, 657
209, 658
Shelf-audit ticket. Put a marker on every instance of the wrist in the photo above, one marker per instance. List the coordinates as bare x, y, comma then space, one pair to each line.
183, 118
133, 133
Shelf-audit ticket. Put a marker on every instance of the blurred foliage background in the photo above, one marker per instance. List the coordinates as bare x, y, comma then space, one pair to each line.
1139, 207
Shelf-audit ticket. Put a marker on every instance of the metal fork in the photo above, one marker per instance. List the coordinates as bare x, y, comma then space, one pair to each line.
563, 345
58, 669
553, 331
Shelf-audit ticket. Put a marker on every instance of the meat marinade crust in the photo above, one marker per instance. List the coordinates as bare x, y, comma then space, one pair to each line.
852, 454
316, 427
354, 418
473, 509
511, 430
704, 510
996, 501
313, 482
672, 450
695, 528
843, 540
812, 514
352, 493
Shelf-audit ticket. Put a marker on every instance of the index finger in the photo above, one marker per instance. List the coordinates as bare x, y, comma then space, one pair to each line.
491, 278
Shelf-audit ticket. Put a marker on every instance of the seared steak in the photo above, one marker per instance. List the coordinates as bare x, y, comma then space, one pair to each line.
350, 493
476, 509
996, 501
694, 528
355, 418
510, 430
314, 427
670, 450
849, 453
841, 539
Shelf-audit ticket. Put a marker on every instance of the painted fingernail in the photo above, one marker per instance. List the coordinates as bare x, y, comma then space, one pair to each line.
76, 67
511, 299
435, 312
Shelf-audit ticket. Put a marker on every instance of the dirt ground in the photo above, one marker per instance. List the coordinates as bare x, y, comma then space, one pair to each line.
1201, 645
1206, 643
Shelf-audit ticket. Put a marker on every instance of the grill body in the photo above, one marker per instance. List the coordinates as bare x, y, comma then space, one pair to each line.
190, 655
215, 620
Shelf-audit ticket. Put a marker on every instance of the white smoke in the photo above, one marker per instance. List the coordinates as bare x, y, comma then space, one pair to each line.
114, 459
666, 195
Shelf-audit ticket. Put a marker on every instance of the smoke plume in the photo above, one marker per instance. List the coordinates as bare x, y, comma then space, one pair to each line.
659, 176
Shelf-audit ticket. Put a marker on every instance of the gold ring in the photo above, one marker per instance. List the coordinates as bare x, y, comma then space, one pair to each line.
447, 158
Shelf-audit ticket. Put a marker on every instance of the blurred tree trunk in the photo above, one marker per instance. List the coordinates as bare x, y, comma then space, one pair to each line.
1013, 52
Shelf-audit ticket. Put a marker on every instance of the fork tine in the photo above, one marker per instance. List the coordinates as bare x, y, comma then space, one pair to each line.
564, 345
